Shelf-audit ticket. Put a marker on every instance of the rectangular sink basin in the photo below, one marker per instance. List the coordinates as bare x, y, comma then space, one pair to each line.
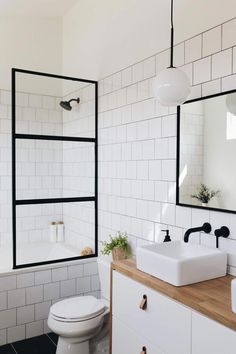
180, 263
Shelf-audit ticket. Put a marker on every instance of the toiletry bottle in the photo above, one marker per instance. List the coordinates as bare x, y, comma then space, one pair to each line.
53, 231
60, 231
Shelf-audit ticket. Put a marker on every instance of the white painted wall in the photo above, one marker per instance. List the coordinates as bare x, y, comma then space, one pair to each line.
33, 43
102, 37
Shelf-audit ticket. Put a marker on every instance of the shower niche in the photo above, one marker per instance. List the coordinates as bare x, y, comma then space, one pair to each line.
54, 168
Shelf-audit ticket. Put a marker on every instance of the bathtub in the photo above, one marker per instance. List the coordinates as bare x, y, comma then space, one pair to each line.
36, 252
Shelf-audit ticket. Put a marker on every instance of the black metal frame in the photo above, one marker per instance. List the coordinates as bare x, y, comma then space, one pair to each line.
178, 155
16, 136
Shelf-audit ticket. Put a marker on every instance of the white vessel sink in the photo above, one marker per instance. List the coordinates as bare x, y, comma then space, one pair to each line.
180, 263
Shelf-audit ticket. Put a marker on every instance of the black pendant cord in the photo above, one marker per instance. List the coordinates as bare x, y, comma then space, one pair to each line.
172, 36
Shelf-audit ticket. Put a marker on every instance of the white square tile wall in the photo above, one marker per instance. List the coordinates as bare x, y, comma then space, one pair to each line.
143, 199
24, 305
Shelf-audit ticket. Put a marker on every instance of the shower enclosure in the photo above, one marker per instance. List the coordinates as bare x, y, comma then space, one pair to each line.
54, 168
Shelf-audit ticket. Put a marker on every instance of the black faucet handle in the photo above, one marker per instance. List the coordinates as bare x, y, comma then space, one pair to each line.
206, 227
222, 232
167, 236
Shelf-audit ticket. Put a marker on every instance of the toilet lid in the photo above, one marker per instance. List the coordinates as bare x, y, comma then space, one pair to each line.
78, 308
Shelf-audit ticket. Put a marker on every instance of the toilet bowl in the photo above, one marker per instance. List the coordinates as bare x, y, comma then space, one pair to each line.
78, 319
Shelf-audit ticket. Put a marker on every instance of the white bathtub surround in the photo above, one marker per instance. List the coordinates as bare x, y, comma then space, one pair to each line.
26, 296
137, 141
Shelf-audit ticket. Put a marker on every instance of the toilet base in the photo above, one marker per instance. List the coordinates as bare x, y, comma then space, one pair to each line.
65, 346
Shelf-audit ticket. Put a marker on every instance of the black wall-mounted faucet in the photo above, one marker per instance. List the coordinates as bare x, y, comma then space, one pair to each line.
206, 227
222, 232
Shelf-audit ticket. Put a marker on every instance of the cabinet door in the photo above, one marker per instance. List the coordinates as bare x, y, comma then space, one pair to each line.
210, 337
164, 322
126, 341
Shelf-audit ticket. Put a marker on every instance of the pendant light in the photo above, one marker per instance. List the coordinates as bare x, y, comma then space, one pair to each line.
171, 86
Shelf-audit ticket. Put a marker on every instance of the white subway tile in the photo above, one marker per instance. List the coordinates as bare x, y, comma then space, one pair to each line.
149, 67
51, 291
126, 75
168, 126
162, 60
183, 217
34, 329
42, 310
25, 314
16, 298
193, 49
168, 170
161, 191
90, 268
202, 70
75, 271
3, 301
211, 87
67, 288
222, 64
43, 277
212, 41
155, 170
137, 72
16, 333
179, 55
95, 283
168, 214
34, 294
3, 336
83, 285
229, 83
7, 318
49, 102
228, 34
8, 283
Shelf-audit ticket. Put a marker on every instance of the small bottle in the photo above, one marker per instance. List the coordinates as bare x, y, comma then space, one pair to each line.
53, 231
60, 231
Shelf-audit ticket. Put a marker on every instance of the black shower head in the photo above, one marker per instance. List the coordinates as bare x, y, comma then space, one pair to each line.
66, 104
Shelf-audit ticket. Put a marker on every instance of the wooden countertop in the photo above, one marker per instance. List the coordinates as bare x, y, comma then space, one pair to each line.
211, 298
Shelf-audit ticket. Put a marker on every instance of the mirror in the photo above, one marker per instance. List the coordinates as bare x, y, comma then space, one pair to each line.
206, 152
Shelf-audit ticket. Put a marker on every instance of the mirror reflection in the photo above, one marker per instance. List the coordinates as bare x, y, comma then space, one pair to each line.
207, 146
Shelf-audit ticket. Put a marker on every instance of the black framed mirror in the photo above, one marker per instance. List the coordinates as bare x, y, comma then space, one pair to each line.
206, 153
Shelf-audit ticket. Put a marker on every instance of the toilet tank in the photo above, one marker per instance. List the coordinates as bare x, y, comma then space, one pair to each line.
104, 276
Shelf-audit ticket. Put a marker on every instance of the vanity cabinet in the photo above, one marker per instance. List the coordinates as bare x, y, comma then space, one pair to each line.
210, 337
144, 321
163, 324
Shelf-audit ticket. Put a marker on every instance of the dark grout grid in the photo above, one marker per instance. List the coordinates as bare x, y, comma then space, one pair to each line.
44, 344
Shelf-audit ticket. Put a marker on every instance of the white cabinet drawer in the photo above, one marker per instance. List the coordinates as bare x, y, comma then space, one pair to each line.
210, 337
165, 323
125, 340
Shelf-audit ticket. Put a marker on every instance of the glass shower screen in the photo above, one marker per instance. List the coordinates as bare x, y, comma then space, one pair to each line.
54, 168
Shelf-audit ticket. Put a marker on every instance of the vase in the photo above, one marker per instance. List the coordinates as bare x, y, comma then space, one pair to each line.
118, 254
204, 204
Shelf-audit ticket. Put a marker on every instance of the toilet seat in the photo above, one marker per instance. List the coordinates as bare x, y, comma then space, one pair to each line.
77, 309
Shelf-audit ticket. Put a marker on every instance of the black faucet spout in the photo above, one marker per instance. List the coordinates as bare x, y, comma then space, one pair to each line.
206, 227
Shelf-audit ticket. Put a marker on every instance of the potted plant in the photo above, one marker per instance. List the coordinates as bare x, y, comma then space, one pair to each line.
205, 194
117, 245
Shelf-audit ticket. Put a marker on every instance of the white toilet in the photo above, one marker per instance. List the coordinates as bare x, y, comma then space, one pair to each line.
78, 319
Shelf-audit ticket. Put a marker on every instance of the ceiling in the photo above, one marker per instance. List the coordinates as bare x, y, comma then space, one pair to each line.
50, 8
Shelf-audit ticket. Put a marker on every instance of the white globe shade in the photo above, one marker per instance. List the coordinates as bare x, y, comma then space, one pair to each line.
231, 103
171, 87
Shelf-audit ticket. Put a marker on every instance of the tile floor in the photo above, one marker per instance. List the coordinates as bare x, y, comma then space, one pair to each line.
45, 344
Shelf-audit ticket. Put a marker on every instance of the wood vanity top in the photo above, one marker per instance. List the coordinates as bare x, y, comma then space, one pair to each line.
211, 298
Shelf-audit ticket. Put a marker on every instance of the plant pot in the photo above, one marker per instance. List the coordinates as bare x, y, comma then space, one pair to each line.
204, 204
118, 254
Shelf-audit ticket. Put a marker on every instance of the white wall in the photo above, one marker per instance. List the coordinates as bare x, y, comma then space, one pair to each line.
102, 37
30, 43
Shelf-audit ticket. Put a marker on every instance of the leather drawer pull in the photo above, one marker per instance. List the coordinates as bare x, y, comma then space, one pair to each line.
144, 350
143, 303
